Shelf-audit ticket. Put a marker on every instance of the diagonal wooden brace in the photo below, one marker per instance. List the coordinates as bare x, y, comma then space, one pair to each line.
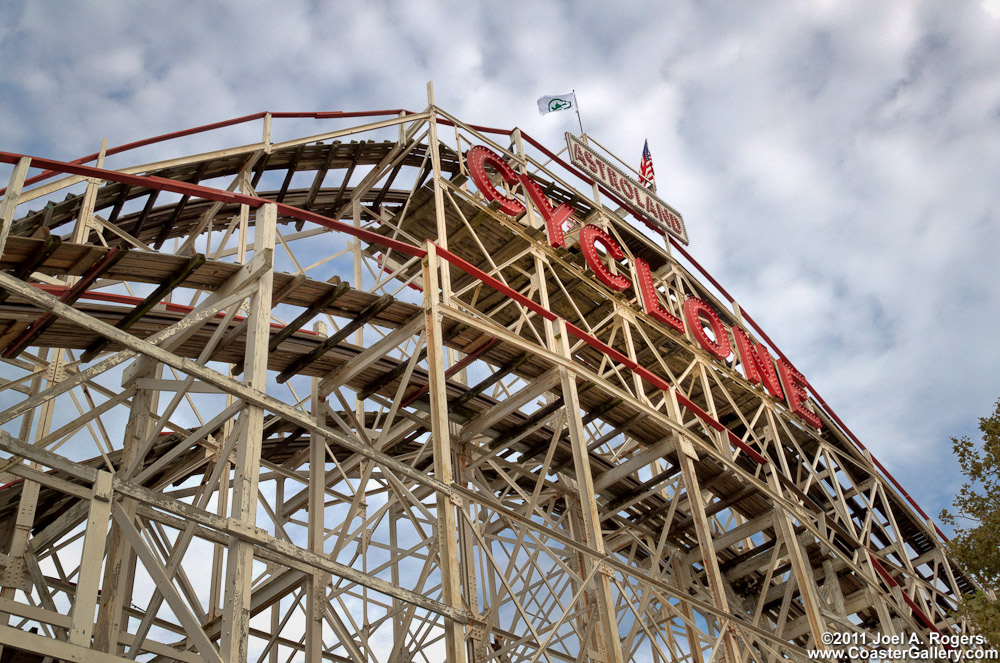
26, 269
46, 320
364, 316
301, 320
154, 298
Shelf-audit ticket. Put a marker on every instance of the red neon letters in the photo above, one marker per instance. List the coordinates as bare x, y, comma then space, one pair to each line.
589, 235
650, 303
757, 363
795, 392
554, 218
694, 310
758, 366
477, 159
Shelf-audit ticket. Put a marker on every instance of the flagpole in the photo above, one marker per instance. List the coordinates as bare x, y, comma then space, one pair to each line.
582, 135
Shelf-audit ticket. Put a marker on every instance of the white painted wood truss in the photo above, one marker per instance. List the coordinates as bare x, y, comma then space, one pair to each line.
332, 405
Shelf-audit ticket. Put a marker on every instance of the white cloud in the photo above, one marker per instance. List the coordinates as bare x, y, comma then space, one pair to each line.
835, 162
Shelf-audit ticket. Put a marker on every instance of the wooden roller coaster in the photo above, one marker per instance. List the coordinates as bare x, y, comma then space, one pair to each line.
322, 399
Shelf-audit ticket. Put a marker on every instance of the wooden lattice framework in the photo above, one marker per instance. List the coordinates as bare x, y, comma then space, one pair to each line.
318, 400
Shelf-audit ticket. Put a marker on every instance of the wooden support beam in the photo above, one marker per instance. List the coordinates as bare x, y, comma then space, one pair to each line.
535, 419
608, 639
56, 649
720, 504
119, 569
316, 583
243, 512
318, 179
9, 203
734, 535
158, 573
283, 191
388, 185
140, 222
634, 463
119, 203
364, 359
447, 517
47, 319
178, 209
27, 268
85, 601
357, 323
259, 168
507, 406
601, 410
614, 504
300, 321
343, 184
716, 581
497, 375
154, 298
400, 368
454, 368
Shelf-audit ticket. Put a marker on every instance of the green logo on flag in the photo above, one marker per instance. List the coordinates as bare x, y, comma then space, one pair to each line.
559, 104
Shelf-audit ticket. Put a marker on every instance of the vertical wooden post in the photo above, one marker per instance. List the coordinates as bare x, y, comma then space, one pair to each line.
82, 618
239, 567
607, 615
9, 204
10, 579
359, 275
83, 222
315, 587
466, 538
442, 227
266, 133
447, 522
686, 455
800, 565
119, 571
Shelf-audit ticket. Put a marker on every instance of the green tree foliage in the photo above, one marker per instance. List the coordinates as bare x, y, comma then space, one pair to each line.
977, 523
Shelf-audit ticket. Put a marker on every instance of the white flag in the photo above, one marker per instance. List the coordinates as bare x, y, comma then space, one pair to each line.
557, 103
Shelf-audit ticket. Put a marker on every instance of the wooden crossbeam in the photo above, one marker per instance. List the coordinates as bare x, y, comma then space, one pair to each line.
465, 361
27, 268
154, 298
601, 410
258, 170
642, 487
364, 316
401, 367
317, 182
46, 320
497, 375
119, 203
181, 204
291, 173
343, 184
535, 418
388, 185
146, 209
302, 319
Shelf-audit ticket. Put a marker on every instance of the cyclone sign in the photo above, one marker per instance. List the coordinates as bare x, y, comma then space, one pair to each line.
778, 377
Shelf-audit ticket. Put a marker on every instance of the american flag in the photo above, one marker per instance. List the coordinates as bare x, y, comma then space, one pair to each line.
646, 166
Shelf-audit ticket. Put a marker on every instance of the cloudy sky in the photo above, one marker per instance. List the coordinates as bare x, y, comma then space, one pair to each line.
837, 163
